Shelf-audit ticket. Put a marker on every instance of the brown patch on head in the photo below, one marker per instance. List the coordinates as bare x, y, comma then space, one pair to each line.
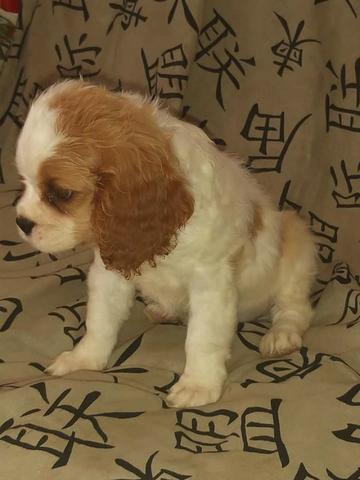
115, 154
67, 188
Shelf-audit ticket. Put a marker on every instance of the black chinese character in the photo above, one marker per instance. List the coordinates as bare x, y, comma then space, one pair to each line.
349, 434
78, 60
249, 333
188, 15
20, 100
342, 116
303, 474
48, 440
288, 49
348, 198
166, 75
7, 30
352, 396
325, 252
129, 351
351, 314
219, 54
17, 98
10, 308
43, 444
19, 251
76, 313
205, 431
147, 473
341, 273
285, 202
68, 274
77, 5
128, 12
324, 230
281, 370
165, 388
268, 129
20, 35
263, 436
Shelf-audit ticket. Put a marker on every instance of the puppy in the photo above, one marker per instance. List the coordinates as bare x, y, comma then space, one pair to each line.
167, 214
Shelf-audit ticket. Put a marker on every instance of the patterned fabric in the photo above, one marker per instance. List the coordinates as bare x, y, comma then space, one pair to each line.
7, 29
276, 82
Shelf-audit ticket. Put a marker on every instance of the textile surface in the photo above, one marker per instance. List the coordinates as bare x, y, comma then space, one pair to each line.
278, 84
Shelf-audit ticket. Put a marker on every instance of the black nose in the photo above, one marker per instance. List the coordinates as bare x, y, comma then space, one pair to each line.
25, 225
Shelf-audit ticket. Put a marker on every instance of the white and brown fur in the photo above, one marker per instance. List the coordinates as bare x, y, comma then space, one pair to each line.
168, 214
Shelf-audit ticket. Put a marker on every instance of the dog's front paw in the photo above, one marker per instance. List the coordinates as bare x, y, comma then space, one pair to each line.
279, 342
189, 392
68, 362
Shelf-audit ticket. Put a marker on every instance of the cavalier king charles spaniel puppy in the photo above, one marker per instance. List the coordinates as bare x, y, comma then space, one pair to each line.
167, 214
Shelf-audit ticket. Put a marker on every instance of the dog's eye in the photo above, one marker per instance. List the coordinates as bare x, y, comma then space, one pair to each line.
59, 195
64, 194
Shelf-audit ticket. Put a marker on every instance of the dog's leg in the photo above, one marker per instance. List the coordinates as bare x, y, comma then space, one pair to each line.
209, 337
292, 312
110, 300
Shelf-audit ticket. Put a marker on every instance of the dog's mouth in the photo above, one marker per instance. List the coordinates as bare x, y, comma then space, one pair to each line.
48, 238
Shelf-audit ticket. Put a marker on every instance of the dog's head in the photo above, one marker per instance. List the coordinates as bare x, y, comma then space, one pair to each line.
97, 168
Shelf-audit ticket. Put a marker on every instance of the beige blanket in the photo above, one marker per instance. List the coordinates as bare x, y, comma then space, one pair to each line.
278, 83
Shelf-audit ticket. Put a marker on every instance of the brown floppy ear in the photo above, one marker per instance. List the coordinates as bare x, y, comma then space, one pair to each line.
140, 203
